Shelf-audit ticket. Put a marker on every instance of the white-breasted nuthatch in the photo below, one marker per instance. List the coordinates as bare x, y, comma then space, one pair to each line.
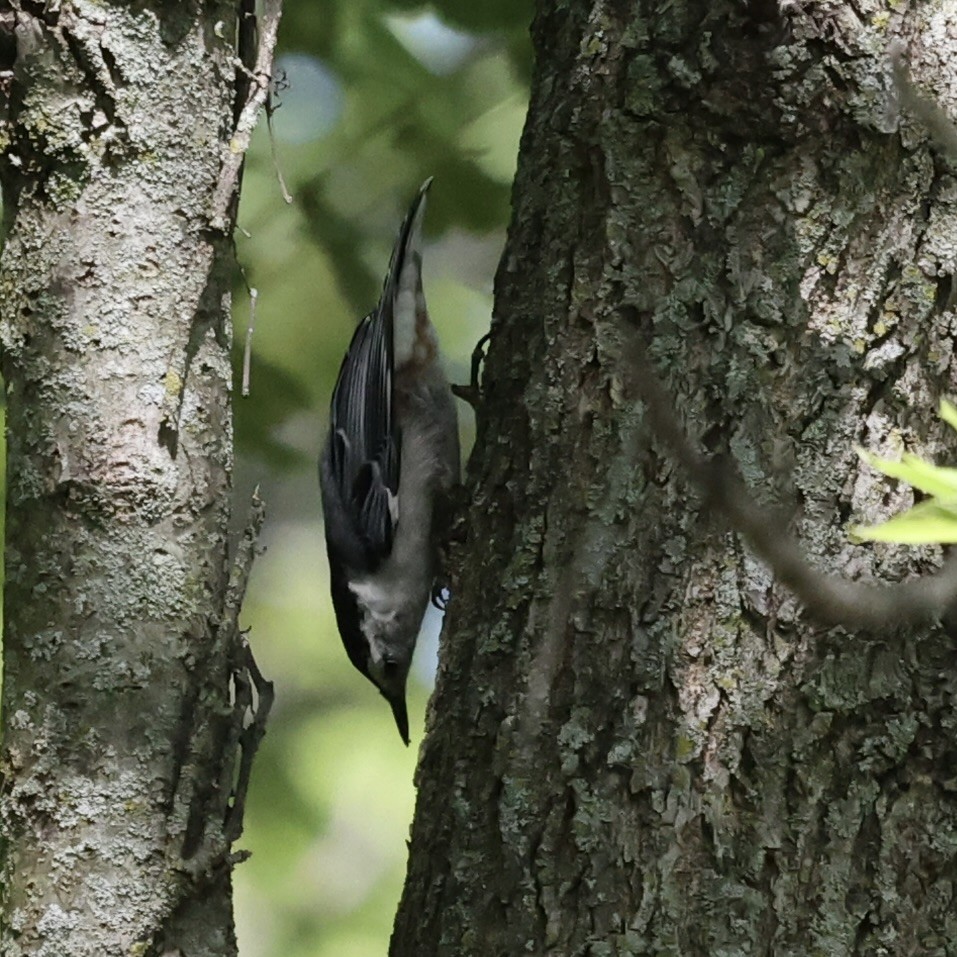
392, 451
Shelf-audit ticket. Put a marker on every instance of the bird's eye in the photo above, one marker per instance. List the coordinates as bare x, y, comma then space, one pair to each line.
389, 666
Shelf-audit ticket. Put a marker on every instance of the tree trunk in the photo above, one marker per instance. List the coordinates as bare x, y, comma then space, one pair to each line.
125, 676
640, 743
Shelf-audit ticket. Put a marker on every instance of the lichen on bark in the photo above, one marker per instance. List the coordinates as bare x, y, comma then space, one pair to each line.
121, 650
640, 743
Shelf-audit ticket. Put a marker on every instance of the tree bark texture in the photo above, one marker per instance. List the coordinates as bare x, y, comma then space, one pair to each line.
124, 680
639, 743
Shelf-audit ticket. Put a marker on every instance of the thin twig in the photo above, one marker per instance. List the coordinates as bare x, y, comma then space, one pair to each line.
248, 348
242, 134
274, 151
246, 677
243, 562
249, 742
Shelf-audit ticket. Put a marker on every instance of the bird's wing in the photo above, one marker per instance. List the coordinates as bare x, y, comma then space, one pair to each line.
364, 440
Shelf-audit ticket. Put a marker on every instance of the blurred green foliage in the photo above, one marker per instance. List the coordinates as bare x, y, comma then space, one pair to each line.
377, 96
932, 521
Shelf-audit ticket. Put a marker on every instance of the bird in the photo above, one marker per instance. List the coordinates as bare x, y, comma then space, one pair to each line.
390, 459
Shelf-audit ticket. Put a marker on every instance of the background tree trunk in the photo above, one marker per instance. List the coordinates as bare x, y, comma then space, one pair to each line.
638, 743
125, 678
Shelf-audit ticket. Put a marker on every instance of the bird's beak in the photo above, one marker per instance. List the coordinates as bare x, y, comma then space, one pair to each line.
401, 715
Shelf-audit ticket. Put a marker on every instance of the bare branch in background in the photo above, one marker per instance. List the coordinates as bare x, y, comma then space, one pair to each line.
940, 126
828, 598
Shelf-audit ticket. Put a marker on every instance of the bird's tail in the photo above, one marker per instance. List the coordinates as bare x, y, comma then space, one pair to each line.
402, 294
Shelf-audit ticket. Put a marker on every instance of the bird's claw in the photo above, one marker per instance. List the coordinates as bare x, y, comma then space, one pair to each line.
472, 393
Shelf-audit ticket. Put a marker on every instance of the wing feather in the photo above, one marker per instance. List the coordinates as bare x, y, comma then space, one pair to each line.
363, 451
365, 440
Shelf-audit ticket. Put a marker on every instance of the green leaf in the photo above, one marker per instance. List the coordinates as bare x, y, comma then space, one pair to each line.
948, 412
925, 524
929, 478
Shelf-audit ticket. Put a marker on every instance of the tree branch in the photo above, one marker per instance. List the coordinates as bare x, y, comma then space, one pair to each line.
246, 123
938, 124
829, 598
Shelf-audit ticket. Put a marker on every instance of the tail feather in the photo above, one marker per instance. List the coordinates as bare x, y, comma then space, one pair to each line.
402, 295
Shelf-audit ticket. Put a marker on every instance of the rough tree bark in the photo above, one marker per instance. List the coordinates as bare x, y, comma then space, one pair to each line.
126, 679
639, 743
